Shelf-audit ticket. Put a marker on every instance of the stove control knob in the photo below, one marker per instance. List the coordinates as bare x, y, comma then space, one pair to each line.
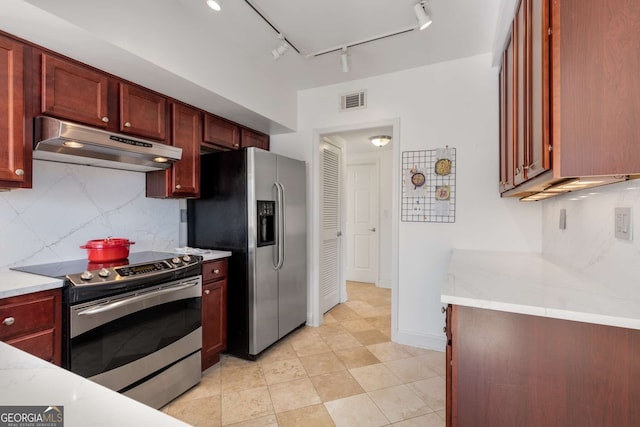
87, 275
104, 273
176, 260
186, 258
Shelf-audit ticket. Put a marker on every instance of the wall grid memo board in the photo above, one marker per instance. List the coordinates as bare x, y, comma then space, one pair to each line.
429, 185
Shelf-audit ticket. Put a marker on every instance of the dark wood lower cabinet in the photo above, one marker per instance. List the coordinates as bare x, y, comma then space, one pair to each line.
519, 370
33, 323
214, 311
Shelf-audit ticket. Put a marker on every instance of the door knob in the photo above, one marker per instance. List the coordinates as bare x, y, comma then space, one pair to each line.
339, 233
373, 229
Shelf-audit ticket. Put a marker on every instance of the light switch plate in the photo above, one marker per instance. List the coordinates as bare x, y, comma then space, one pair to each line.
563, 219
623, 224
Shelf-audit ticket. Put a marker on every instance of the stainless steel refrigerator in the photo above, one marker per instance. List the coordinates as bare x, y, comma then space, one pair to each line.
253, 203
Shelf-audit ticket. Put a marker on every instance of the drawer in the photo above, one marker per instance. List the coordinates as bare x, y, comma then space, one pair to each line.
40, 344
214, 270
24, 314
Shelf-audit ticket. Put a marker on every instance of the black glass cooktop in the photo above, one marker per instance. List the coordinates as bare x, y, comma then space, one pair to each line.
60, 269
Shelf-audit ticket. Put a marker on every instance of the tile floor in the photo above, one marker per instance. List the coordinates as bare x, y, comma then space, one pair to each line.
345, 373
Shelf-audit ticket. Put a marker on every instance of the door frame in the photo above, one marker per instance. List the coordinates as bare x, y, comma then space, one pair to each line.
314, 316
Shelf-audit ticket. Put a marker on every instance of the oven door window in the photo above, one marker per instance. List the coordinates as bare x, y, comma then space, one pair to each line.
131, 337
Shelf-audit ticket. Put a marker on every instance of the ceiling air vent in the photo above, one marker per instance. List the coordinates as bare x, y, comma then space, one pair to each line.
353, 101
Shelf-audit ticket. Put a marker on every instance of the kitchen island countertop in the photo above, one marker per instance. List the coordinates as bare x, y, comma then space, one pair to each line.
528, 283
27, 380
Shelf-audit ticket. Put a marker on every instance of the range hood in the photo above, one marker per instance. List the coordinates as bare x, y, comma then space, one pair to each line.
66, 142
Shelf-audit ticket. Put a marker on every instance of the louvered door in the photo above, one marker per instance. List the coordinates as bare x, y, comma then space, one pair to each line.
330, 226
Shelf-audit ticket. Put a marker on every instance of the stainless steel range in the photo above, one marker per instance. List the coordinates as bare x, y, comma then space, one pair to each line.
133, 326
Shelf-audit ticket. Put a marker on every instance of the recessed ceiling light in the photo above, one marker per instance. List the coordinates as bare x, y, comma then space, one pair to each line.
214, 4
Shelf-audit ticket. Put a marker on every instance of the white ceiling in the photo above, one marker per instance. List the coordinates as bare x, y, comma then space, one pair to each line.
227, 55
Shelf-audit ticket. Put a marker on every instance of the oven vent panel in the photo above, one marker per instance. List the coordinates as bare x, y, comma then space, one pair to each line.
353, 101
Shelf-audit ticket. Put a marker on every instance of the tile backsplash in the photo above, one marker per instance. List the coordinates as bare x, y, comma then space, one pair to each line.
71, 204
588, 243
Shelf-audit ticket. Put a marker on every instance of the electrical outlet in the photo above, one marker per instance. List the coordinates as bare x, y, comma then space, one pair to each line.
563, 219
623, 224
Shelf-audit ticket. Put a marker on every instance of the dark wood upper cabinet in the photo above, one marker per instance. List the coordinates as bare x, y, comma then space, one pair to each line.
142, 112
74, 92
183, 178
220, 133
576, 91
249, 138
596, 87
15, 160
524, 97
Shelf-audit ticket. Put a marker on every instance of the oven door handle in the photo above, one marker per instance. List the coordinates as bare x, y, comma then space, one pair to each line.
115, 304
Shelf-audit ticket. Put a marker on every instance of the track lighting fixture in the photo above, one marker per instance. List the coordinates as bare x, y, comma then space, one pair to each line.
280, 50
423, 14
344, 59
380, 140
214, 4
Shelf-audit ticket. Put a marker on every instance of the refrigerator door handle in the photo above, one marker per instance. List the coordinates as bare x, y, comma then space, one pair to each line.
281, 224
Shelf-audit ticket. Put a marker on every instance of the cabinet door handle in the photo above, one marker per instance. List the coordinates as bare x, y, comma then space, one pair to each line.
236, 145
9, 321
216, 271
105, 119
127, 124
207, 291
443, 310
19, 172
444, 329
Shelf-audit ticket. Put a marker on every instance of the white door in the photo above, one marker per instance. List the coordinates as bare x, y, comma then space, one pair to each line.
330, 232
362, 223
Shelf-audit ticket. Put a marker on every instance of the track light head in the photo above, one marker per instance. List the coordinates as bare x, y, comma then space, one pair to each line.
280, 50
214, 4
423, 15
344, 59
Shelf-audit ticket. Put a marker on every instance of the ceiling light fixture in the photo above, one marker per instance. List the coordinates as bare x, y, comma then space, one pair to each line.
423, 14
344, 59
380, 140
214, 4
280, 50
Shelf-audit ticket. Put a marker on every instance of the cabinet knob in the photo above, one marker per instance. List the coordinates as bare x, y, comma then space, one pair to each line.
207, 291
216, 271
236, 145
127, 125
9, 321
19, 172
178, 187
444, 329
105, 119
443, 310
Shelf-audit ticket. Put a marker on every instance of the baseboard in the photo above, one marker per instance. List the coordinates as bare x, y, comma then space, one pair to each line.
428, 341
384, 283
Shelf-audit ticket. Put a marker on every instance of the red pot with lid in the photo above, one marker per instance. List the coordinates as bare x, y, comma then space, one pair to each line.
109, 249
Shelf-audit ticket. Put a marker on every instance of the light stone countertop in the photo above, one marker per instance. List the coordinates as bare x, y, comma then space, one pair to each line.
215, 255
527, 283
14, 283
28, 380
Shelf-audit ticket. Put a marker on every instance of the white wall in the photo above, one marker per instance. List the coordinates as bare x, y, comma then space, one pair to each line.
452, 103
385, 173
71, 204
588, 243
